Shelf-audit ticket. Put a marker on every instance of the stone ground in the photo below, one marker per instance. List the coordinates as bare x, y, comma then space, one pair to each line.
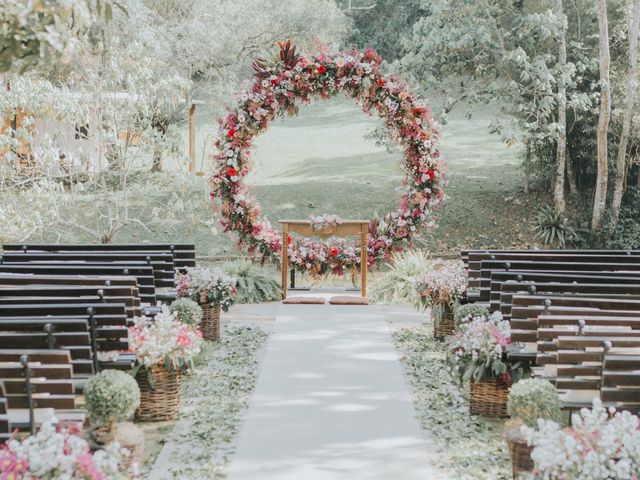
331, 400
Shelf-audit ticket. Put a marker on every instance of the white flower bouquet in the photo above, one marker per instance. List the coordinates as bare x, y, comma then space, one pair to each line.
165, 341
59, 453
477, 350
601, 444
445, 283
207, 286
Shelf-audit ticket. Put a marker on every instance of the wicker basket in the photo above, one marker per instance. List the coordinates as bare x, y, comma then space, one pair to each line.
163, 400
210, 325
130, 436
445, 327
521, 461
489, 398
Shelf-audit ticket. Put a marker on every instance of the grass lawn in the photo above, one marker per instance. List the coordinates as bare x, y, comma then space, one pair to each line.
321, 162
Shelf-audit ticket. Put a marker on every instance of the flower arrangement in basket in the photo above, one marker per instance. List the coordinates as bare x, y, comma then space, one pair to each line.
213, 290
530, 399
55, 452
440, 289
164, 348
601, 443
476, 354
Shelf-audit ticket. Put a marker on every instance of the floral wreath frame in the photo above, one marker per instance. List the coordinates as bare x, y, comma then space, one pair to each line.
279, 87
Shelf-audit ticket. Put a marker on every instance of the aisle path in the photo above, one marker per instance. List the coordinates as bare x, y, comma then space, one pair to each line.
331, 403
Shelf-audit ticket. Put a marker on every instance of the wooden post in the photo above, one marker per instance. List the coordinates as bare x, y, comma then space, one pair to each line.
192, 137
364, 259
284, 264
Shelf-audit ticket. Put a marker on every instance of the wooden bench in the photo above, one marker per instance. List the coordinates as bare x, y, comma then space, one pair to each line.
604, 290
532, 277
34, 381
146, 293
162, 266
184, 254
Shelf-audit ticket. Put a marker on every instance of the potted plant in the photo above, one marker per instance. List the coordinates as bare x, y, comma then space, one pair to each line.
112, 396
213, 290
530, 399
164, 349
600, 443
476, 354
187, 311
55, 452
464, 313
440, 289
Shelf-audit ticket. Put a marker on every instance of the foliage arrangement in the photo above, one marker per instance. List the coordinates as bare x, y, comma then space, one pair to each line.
444, 282
207, 286
216, 394
469, 448
553, 228
533, 398
279, 86
187, 311
165, 341
55, 453
464, 313
254, 285
111, 396
397, 286
601, 443
477, 351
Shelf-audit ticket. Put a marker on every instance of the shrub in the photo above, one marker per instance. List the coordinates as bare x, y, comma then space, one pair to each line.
254, 286
398, 285
187, 311
534, 398
553, 228
462, 312
111, 396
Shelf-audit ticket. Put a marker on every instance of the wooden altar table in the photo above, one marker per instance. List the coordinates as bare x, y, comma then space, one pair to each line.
346, 228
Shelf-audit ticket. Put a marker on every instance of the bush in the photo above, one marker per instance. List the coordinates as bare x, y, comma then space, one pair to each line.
187, 311
461, 312
111, 396
398, 285
532, 399
553, 228
254, 286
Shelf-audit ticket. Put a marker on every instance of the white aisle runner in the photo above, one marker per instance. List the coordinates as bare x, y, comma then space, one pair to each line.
331, 403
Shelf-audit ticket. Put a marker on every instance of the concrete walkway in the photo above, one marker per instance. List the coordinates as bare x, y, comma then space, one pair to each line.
331, 403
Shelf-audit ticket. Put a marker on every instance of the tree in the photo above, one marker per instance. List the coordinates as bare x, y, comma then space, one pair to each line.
604, 60
561, 153
41, 31
630, 100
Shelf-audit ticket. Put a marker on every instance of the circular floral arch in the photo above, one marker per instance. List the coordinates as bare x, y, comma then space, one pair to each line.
280, 86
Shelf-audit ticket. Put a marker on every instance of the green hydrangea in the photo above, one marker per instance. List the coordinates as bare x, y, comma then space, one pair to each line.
187, 311
463, 311
532, 399
111, 396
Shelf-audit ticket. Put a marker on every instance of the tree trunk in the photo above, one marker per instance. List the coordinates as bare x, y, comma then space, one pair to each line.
561, 152
600, 197
571, 174
527, 167
630, 99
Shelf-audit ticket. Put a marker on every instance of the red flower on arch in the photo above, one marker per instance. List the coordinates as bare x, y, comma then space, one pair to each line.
232, 172
231, 133
322, 69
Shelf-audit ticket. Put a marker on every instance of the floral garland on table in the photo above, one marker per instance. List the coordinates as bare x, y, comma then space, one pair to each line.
601, 443
55, 452
279, 87
477, 351
207, 286
164, 340
324, 222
